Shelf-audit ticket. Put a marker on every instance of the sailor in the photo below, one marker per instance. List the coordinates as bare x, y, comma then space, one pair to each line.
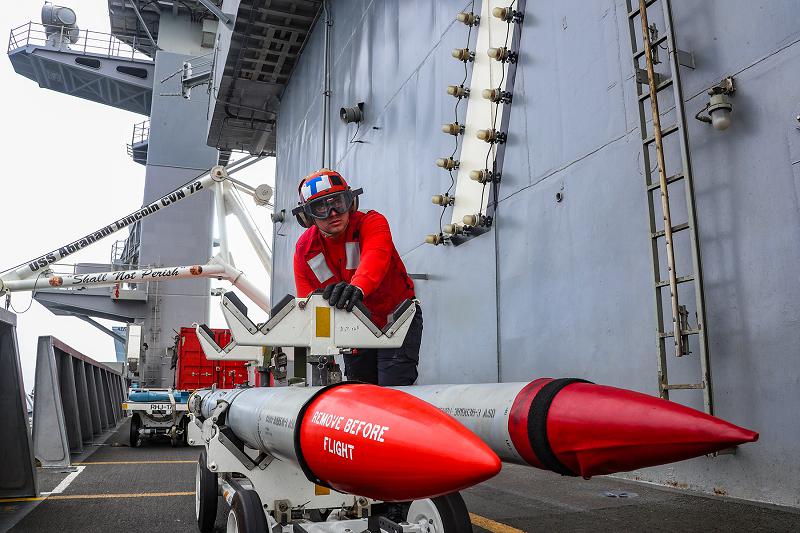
350, 254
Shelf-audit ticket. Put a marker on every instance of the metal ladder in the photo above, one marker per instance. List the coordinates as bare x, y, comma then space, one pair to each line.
649, 85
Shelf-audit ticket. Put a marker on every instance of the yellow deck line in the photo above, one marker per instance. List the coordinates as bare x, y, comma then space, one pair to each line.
15, 500
112, 496
97, 496
491, 525
133, 462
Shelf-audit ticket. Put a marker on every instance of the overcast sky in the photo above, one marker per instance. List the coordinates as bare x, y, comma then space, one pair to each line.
61, 155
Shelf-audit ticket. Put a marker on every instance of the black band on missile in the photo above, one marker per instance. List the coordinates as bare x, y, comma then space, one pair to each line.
298, 450
537, 424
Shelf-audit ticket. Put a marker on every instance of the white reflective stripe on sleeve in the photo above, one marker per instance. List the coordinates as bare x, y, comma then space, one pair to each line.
353, 251
320, 267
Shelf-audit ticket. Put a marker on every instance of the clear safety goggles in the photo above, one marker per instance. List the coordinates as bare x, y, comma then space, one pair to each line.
321, 208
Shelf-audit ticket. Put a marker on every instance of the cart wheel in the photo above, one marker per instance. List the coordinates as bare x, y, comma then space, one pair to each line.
444, 514
136, 423
205, 495
246, 514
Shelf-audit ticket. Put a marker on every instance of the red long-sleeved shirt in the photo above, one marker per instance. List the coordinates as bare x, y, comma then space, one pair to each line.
364, 255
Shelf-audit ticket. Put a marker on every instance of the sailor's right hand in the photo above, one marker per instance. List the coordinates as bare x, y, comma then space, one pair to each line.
343, 295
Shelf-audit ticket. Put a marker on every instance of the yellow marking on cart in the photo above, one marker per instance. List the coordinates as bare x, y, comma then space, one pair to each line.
323, 321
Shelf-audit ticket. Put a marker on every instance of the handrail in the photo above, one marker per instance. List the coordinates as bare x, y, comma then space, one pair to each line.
83, 42
141, 132
140, 135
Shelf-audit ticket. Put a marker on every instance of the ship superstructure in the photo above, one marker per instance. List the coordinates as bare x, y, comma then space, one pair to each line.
614, 184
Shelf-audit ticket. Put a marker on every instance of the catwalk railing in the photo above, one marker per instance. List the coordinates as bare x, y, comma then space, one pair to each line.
86, 42
137, 149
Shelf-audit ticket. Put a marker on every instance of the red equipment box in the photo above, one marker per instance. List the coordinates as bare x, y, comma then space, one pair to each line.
194, 371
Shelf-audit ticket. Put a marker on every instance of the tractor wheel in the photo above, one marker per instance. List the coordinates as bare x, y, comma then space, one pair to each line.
205, 495
136, 424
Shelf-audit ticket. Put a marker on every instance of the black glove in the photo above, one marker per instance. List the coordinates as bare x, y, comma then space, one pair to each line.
343, 295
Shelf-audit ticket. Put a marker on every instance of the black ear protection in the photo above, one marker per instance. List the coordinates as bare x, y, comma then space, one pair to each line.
298, 211
301, 217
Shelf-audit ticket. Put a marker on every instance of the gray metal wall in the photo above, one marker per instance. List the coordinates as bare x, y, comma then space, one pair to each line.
564, 289
180, 235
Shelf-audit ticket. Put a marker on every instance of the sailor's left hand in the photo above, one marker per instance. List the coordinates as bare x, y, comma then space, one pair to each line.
343, 295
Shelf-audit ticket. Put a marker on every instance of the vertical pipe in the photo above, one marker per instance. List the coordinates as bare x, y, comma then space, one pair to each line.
326, 92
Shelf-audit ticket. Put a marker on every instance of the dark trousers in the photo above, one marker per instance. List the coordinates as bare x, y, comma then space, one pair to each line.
390, 366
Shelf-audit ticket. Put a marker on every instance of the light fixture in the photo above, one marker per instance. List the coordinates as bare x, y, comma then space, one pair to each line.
454, 128
468, 18
718, 109
463, 54
434, 239
491, 136
502, 54
443, 199
475, 220
453, 229
507, 14
353, 113
447, 163
482, 176
459, 91
720, 112
60, 25
497, 96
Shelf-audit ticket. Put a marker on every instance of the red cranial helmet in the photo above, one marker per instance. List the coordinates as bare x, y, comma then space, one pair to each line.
321, 193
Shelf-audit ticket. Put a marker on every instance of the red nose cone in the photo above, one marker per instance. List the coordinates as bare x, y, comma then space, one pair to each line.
388, 445
595, 429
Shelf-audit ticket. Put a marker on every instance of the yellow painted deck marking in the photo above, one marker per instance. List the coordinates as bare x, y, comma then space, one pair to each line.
491, 525
113, 496
98, 496
133, 462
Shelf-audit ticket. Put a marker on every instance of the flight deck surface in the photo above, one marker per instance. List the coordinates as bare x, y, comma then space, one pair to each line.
151, 488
